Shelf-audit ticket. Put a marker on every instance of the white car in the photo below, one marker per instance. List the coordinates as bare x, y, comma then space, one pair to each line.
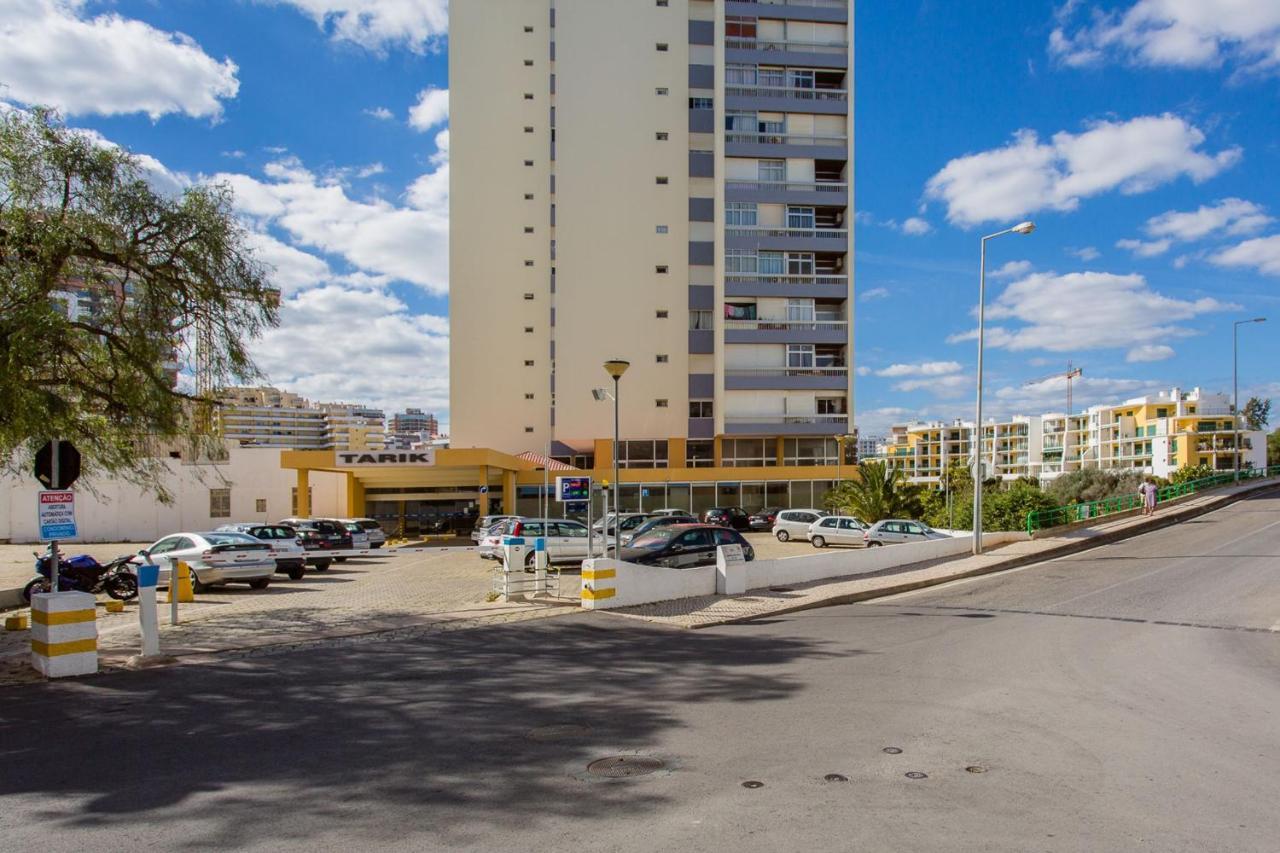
567, 540
377, 537
485, 523
836, 530
215, 557
795, 523
894, 530
291, 557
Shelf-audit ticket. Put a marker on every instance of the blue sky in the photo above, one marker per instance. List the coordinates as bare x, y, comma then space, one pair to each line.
1140, 135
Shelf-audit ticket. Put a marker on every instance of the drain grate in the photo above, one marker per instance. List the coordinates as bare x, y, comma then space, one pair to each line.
975, 768
752, 783
916, 774
624, 766
560, 731
892, 750
835, 777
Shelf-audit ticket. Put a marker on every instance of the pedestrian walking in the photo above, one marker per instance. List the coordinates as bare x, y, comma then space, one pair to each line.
1147, 491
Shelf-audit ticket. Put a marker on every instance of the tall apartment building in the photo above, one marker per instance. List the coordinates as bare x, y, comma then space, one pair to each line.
269, 417
415, 421
669, 183
1155, 434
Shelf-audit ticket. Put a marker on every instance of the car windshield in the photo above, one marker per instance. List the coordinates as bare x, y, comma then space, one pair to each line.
353, 527
655, 539
228, 538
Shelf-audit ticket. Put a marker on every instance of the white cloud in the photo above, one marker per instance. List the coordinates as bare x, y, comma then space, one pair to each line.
430, 192
375, 236
1012, 269
1050, 395
1086, 253
1145, 249
874, 293
52, 53
1233, 216
864, 371
1175, 34
1088, 310
953, 385
380, 113
1261, 253
1149, 352
376, 25
292, 269
431, 109
927, 368
877, 421
1028, 175
916, 227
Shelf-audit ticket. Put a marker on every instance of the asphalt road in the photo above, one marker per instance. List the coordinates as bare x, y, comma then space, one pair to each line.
1098, 719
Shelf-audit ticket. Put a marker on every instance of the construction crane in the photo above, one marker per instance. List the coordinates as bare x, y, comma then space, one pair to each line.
1070, 374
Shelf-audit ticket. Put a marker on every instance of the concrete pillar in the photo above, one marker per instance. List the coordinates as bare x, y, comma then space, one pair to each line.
484, 495
304, 493
779, 450
355, 496
717, 451
509, 492
677, 450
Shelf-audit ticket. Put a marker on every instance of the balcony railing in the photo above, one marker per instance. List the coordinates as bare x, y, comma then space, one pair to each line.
789, 325
770, 278
786, 419
787, 371
788, 186
821, 4
778, 231
786, 44
799, 93
783, 138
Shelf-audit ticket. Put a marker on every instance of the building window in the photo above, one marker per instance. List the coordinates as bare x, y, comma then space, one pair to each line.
738, 27
642, 454
702, 103
662, 47
800, 217
528, 297
528, 129
528, 396
809, 451
662, 229
770, 263
219, 503
293, 500
701, 409
661, 90
528, 330
799, 355
772, 170
528, 429
661, 404
740, 311
528, 162
662, 180
528, 263
662, 2
740, 213
528, 63
528, 96
831, 406
660, 269
740, 75
528, 29
740, 261
528, 196
528, 362
663, 359
799, 263
260, 505
700, 321
528, 229
662, 136
747, 452
700, 453
661, 314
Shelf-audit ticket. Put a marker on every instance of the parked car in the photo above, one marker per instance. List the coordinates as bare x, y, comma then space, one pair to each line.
567, 540
894, 530
320, 535
684, 546
377, 537
359, 536
669, 511
628, 521
484, 522
728, 516
215, 557
794, 523
654, 523
291, 557
764, 519
836, 530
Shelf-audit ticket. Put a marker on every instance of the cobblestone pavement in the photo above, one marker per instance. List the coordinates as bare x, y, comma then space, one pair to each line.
359, 597
17, 566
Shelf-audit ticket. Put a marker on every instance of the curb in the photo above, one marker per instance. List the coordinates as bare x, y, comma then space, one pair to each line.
1005, 565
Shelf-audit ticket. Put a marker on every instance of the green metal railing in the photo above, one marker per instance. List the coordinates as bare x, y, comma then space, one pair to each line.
1045, 518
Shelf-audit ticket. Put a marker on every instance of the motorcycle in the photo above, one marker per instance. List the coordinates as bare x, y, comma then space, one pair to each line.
83, 573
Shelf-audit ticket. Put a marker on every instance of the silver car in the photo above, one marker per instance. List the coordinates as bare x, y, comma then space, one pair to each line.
567, 540
215, 557
485, 523
291, 557
794, 523
893, 530
836, 530
377, 537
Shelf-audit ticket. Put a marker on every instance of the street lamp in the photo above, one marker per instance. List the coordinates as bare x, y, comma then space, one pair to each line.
1020, 228
615, 367
1235, 385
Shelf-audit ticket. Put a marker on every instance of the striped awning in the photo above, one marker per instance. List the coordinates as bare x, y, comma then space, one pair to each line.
544, 461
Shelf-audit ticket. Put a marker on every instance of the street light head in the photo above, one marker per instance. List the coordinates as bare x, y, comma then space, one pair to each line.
600, 394
1259, 319
615, 367
1023, 228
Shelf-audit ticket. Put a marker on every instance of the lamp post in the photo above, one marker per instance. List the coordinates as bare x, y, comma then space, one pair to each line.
1020, 228
615, 367
1235, 386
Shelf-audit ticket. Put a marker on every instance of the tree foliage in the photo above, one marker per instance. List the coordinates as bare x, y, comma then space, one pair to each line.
1257, 413
1093, 484
877, 491
78, 222
1273, 448
1187, 473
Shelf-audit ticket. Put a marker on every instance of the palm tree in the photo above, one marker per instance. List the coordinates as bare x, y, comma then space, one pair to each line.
877, 491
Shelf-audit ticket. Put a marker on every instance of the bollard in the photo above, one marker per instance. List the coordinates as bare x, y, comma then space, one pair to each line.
148, 621
513, 551
15, 623
180, 580
64, 634
113, 606
541, 559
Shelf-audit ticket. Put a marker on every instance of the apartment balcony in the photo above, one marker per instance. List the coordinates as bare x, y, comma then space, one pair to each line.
783, 99
738, 143
786, 379
780, 238
766, 51
817, 285
786, 424
786, 332
832, 11
828, 193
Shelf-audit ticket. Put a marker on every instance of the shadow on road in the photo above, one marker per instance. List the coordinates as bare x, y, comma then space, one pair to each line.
440, 726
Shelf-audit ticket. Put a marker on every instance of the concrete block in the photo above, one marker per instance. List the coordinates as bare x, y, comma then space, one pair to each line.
16, 623
64, 634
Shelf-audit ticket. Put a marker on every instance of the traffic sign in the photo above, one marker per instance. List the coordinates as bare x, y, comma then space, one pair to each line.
573, 489
57, 515
68, 465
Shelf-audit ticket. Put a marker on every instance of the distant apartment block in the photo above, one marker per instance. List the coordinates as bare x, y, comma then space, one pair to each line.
1155, 434
269, 417
415, 421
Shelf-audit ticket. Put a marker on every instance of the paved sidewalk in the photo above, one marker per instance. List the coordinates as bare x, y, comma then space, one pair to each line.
709, 610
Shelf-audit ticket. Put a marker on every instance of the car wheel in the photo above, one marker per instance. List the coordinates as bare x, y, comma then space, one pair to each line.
196, 585
783, 536
260, 583
819, 542
297, 573
874, 544
340, 559
322, 565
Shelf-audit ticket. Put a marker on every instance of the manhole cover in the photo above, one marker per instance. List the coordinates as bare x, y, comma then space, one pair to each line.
916, 774
752, 783
624, 766
781, 589
892, 750
835, 777
561, 731
975, 768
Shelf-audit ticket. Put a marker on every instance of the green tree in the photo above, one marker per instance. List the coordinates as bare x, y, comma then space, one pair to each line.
875, 492
1092, 484
78, 219
1187, 473
1257, 413
1273, 448
1006, 509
